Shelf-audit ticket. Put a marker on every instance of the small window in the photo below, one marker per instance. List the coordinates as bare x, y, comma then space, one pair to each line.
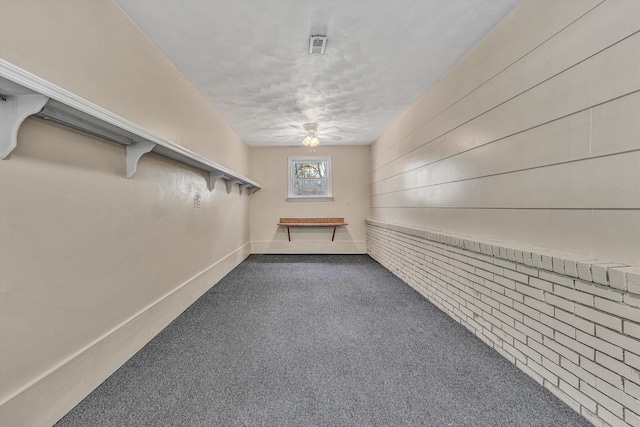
310, 178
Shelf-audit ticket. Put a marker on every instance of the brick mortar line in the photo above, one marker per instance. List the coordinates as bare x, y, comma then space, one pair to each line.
492, 334
486, 298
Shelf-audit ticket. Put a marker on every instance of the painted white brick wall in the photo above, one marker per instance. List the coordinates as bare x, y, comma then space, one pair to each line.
571, 324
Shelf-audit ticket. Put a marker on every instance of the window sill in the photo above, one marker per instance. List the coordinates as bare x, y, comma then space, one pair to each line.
310, 199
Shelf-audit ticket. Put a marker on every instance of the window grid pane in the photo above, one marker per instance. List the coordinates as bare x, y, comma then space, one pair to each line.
310, 177
310, 187
309, 169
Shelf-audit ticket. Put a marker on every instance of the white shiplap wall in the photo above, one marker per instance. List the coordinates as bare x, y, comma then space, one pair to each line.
533, 137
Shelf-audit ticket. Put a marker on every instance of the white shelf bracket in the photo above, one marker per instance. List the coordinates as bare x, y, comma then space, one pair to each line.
253, 190
213, 177
231, 183
23, 94
13, 111
244, 187
134, 152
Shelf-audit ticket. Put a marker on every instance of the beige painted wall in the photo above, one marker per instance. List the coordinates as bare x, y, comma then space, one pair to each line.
532, 138
351, 200
92, 264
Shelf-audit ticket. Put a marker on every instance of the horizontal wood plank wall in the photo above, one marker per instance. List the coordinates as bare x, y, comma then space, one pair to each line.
531, 140
533, 137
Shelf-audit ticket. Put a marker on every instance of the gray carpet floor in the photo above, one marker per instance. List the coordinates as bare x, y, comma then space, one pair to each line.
317, 340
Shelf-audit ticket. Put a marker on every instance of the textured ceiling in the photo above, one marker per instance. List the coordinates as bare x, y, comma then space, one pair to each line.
249, 58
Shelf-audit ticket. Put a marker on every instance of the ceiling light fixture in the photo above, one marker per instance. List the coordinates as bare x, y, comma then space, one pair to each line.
311, 140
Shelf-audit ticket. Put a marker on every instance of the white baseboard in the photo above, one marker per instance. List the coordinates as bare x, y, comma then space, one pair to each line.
49, 397
308, 247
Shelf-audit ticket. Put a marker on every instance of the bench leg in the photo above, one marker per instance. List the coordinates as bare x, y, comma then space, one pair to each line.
334, 233
288, 233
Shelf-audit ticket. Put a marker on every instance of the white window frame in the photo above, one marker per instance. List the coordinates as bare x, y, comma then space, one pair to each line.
324, 198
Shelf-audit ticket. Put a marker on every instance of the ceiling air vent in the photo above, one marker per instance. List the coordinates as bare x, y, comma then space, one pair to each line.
317, 44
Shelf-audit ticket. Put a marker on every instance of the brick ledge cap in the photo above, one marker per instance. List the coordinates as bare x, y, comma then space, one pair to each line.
623, 277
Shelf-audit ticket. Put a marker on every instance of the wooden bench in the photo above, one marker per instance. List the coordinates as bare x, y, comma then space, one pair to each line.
312, 222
